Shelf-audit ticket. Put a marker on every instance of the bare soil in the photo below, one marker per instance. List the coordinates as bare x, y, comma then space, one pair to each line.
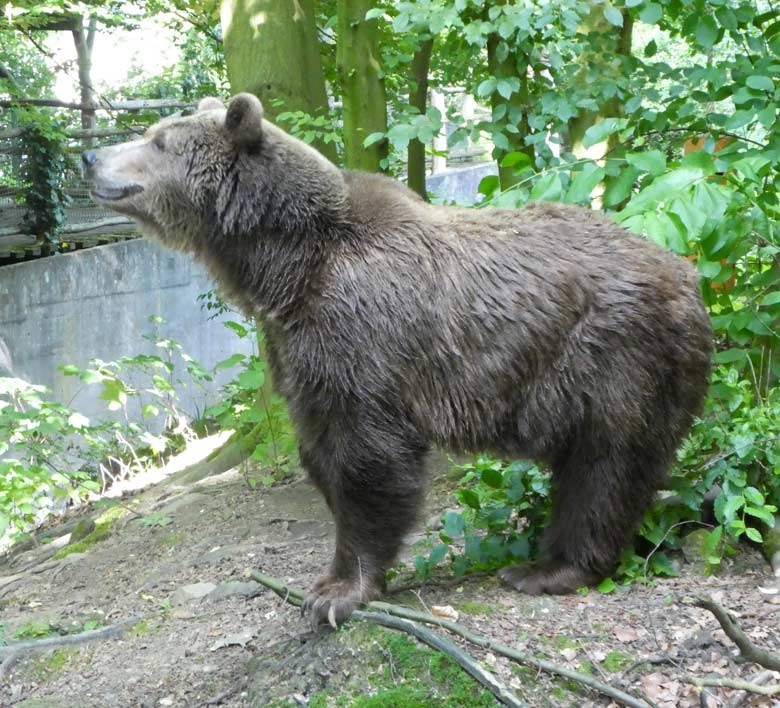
242, 646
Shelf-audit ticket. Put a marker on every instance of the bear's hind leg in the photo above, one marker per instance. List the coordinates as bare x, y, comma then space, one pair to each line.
374, 497
600, 495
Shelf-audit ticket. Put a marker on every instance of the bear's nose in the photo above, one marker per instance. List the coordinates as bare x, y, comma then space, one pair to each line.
89, 158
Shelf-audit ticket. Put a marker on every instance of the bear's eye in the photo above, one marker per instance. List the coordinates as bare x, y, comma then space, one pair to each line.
159, 141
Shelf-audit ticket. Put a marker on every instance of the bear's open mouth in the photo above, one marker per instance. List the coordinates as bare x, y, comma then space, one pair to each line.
113, 194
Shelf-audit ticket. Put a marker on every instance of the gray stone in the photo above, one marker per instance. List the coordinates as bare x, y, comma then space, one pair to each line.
234, 588
187, 593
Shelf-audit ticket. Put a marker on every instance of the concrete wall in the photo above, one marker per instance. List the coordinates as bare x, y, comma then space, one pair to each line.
96, 303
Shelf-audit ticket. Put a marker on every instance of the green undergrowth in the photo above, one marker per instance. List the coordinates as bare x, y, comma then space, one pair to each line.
397, 672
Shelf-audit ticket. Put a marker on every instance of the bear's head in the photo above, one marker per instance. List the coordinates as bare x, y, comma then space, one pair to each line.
219, 172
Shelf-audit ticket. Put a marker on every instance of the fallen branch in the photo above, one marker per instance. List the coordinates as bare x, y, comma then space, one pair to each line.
723, 682
11, 653
381, 610
748, 650
448, 647
760, 679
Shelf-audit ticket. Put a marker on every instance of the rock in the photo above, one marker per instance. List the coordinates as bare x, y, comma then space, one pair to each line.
693, 546
234, 588
187, 593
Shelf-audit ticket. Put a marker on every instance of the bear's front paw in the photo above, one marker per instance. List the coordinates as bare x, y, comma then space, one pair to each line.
333, 600
554, 578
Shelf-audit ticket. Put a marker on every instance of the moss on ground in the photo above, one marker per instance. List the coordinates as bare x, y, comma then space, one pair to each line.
103, 525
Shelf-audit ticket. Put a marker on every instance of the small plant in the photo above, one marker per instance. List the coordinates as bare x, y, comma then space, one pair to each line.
250, 408
504, 506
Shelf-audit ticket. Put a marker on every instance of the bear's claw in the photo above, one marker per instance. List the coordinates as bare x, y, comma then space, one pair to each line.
332, 600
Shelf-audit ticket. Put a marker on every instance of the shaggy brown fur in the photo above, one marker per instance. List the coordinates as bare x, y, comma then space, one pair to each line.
393, 325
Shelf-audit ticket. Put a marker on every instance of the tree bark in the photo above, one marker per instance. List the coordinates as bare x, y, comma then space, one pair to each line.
84, 40
596, 22
418, 98
362, 86
516, 106
272, 51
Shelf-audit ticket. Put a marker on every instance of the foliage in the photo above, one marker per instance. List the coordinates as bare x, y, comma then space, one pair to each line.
502, 510
43, 167
53, 455
252, 410
310, 128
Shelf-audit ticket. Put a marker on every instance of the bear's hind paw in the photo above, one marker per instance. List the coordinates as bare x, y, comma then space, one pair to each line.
553, 578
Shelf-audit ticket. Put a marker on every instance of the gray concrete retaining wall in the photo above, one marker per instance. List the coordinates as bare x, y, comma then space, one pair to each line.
96, 303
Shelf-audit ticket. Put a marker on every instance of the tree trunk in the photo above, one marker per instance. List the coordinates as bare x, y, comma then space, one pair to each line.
596, 22
84, 41
362, 87
272, 51
418, 98
516, 106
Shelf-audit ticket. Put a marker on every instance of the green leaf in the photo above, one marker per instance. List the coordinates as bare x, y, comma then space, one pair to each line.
754, 534
584, 183
230, 362
437, 554
469, 497
601, 131
374, 12
516, 159
613, 16
730, 356
732, 505
652, 161
606, 586
770, 299
548, 188
753, 496
760, 83
492, 477
707, 32
488, 185
454, 524
373, 138
620, 188
149, 410
760, 513
252, 379
650, 14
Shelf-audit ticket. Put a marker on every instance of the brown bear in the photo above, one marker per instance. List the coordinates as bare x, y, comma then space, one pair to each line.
392, 326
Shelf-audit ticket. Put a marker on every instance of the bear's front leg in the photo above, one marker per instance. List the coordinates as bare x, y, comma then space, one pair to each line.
374, 495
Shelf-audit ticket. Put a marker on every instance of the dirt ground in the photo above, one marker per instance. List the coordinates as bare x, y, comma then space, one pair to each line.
174, 562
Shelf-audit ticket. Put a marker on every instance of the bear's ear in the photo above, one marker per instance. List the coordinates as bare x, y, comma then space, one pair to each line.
244, 120
209, 104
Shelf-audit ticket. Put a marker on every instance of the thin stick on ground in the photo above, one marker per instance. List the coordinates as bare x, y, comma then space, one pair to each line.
748, 650
724, 682
11, 653
383, 609
448, 647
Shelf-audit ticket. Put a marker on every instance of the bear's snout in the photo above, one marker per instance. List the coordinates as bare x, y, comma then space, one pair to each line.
88, 158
